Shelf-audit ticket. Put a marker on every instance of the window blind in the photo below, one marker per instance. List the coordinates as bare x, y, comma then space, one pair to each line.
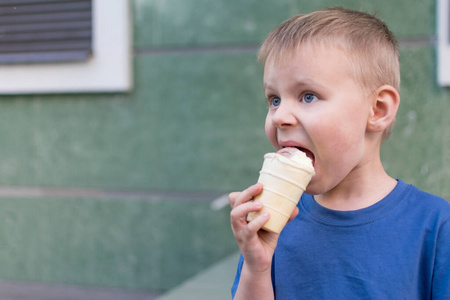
45, 30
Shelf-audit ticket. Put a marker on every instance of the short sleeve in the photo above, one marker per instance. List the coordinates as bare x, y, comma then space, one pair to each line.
238, 277
441, 276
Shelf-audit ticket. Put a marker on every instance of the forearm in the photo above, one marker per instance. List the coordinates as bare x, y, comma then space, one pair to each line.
253, 285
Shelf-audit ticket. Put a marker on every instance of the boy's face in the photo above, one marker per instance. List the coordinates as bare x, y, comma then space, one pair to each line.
315, 104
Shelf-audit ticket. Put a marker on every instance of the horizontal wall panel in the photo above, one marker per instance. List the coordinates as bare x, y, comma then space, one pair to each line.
172, 23
179, 130
110, 242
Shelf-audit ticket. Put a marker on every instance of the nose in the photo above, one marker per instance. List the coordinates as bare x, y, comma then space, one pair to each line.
284, 115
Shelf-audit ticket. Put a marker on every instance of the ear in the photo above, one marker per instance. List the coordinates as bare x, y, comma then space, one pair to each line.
384, 108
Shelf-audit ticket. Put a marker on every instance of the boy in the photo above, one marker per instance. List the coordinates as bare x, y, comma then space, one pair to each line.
332, 79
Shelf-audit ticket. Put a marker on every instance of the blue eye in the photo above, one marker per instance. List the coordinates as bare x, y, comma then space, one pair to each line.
276, 101
309, 98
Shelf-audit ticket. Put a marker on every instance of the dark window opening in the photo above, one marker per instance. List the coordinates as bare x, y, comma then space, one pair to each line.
33, 31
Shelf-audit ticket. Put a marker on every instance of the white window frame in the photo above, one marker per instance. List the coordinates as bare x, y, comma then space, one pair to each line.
443, 42
109, 69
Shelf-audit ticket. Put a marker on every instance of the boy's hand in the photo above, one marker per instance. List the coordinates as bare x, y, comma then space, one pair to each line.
257, 246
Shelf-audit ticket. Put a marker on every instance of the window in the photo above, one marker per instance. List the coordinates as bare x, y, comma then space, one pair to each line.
65, 46
45, 30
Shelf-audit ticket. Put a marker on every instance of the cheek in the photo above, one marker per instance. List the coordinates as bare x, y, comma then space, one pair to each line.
346, 127
338, 143
271, 132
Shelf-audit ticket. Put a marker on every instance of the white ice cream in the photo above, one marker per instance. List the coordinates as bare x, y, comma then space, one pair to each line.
296, 156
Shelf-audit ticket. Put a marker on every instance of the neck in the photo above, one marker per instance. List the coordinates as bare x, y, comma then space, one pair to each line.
364, 186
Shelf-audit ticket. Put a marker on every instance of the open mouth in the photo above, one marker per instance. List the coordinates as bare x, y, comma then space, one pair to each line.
307, 152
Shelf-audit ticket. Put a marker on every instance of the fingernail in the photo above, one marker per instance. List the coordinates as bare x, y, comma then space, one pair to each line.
266, 215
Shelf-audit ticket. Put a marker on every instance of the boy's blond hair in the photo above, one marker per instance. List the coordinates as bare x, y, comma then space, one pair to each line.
371, 47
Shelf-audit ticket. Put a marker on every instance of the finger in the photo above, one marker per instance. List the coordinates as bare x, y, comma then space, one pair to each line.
248, 194
257, 223
238, 215
232, 197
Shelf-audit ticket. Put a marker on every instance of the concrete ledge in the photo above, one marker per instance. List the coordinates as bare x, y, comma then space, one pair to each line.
213, 283
39, 291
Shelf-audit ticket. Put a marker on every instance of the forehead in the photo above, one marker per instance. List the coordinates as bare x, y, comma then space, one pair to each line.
308, 60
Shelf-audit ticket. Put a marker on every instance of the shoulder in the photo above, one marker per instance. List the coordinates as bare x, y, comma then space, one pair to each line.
426, 202
426, 198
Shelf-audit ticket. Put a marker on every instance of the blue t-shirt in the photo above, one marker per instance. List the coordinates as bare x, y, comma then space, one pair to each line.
398, 248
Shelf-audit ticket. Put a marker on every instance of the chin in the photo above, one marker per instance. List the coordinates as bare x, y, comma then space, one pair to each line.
314, 188
311, 190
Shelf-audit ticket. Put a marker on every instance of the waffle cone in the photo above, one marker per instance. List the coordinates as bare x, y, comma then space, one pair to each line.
284, 182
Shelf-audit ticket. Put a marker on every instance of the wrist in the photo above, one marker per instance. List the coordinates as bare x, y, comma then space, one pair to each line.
258, 271
255, 284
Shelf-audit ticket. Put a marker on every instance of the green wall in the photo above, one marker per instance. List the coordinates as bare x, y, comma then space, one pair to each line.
152, 160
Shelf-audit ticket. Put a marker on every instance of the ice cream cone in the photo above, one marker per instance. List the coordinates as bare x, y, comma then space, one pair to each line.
284, 181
